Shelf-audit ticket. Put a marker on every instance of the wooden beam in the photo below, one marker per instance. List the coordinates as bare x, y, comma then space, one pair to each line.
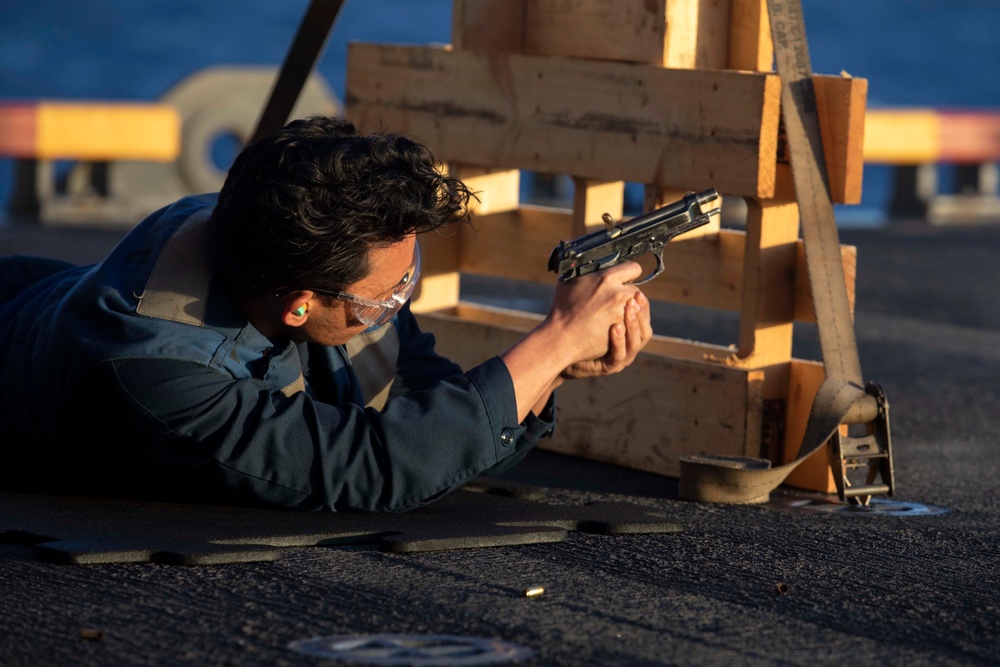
712, 49
663, 346
750, 45
440, 281
592, 200
805, 377
488, 25
700, 407
528, 234
684, 129
768, 282
624, 30
662, 408
663, 33
672, 403
840, 103
496, 190
702, 271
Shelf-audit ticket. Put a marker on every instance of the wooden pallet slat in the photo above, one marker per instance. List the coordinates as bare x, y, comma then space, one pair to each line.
664, 406
592, 119
706, 271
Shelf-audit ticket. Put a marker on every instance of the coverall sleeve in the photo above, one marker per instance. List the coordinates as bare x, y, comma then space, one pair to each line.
183, 426
420, 366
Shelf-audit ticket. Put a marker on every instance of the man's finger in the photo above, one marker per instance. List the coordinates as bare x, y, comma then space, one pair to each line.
624, 272
645, 318
639, 329
618, 350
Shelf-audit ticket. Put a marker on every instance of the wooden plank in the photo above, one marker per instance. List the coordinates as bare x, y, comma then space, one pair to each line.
666, 406
702, 271
805, 377
496, 190
705, 271
625, 30
528, 234
750, 45
664, 346
436, 291
664, 33
646, 417
488, 25
684, 129
768, 282
592, 200
440, 281
90, 131
697, 34
840, 103
659, 410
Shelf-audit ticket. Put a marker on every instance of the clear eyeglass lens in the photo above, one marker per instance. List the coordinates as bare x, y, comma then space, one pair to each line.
377, 315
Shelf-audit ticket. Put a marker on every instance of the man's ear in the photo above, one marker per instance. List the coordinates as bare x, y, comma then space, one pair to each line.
295, 308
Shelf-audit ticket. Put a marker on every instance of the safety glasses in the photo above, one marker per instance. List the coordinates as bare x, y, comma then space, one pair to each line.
377, 312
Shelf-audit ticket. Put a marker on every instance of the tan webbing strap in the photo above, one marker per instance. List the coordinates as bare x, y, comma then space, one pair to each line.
819, 227
735, 480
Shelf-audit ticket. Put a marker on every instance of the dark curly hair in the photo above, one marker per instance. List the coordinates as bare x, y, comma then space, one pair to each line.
302, 207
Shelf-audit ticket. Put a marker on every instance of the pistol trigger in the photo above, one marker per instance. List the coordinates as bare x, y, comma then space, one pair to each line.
658, 254
659, 262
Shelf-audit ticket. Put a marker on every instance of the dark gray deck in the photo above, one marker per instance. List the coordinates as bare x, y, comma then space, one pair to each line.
860, 590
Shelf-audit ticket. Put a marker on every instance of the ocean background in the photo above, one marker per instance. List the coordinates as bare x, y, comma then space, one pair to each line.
915, 53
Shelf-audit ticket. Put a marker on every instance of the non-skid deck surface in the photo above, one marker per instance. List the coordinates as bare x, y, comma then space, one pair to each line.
84, 530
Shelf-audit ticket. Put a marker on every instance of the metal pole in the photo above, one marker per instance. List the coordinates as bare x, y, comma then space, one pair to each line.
308, 44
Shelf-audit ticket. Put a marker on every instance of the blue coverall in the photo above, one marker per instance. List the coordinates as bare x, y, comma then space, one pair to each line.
137, 376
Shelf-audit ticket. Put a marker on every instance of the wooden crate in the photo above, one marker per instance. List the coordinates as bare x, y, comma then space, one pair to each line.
670, 94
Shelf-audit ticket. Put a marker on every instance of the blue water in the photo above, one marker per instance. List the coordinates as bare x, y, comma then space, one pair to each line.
941, 53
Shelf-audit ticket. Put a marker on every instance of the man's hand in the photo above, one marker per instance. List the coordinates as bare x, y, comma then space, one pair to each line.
625, 342
596, 326
586, 309
609, 319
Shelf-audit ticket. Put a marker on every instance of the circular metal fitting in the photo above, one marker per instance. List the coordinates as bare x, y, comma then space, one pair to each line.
877, 506
416, 650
